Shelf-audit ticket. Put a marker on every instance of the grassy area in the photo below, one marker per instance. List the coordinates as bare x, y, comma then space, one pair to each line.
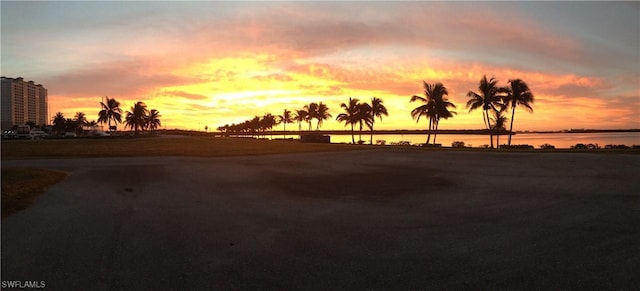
200, 146
21, 187
159, 146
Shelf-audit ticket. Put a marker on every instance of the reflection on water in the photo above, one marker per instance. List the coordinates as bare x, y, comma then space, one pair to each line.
559, 140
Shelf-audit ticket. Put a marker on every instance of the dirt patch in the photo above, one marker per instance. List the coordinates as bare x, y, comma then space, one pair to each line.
22, 186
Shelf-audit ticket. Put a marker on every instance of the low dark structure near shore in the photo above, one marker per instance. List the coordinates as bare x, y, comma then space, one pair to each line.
315, 138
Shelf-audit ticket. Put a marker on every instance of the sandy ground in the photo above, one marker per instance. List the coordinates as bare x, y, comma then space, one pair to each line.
378, 219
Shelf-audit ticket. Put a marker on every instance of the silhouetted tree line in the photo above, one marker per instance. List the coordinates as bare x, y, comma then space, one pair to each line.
494, 100
260, 124
138, 118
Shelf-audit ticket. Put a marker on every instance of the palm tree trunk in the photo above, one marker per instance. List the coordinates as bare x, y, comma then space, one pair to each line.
489, 127
360, 133
435, 133
371, 141
429, 131
353, 139
284, 125
513, 111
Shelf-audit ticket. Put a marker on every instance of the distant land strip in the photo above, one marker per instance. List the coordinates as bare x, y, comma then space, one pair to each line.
406, 131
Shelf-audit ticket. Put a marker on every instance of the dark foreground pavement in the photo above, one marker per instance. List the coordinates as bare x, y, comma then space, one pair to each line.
380, 219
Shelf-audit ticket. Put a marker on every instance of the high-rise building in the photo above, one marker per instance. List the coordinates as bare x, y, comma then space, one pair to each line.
22, 102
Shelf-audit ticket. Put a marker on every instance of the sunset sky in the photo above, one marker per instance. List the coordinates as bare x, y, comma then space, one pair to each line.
213, 63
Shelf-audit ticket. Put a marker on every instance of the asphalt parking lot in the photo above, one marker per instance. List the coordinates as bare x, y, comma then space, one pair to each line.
377, 219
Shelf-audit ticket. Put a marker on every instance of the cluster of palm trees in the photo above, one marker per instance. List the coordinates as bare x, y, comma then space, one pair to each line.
61, 124
361, 113
139, 118
257, 124
436, 106
495, 101
308, 113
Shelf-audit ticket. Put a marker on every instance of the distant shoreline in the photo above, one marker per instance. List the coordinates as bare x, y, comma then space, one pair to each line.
444, 131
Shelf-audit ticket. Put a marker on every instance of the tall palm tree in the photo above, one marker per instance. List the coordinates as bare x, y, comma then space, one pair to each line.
285, 118
153, 120
137, 117
435, 107
363, 116
254, 124
322, 114
350, 115
377, 110
300, 116
518, 94
268, 121
81, 120
59, 122
427, 110
312, 110
442, 110
489, 97
110, 112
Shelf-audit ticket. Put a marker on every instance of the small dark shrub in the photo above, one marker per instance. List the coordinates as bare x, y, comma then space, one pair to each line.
579, 146
457, 144
547, 146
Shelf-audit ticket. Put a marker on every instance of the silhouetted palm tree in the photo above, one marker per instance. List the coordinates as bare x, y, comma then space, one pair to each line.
153, 120
377, 110
137, 117
254, 124
268, 121
427, 110
322, 114
81, 120
70, 125
350, 115
300, 116
435, 107
488, 98
312, 110
59, 122
110, 112
285, 118
442, 111
363, 116
499, 121
518, 94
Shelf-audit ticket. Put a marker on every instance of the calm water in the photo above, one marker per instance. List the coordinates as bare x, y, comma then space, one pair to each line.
559, 140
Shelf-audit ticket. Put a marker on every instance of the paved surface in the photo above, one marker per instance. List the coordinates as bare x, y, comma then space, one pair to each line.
377, 219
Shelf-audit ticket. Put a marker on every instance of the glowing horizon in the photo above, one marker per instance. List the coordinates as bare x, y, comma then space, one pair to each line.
217, 63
